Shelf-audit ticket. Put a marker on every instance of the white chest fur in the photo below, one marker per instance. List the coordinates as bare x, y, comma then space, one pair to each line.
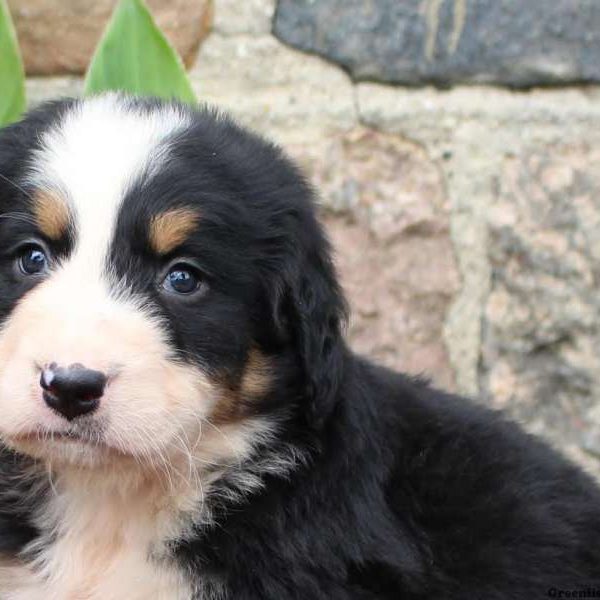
103, 531
101, 545
132, 579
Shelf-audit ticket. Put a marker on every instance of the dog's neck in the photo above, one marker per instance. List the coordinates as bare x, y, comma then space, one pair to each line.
104, 529
110, 499
104, 534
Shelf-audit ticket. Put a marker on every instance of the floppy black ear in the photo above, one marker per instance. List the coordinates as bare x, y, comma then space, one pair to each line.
313, 311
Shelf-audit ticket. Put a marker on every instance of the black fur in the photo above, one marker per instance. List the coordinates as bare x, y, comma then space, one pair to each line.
400, 491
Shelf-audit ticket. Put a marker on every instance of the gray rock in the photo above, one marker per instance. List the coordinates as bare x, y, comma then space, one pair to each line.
274, 89
540, 358
449, 41
42, 89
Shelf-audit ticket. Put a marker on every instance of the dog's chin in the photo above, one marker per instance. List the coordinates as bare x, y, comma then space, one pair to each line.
68, 448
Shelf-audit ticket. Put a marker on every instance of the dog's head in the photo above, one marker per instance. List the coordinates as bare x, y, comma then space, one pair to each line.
162, 273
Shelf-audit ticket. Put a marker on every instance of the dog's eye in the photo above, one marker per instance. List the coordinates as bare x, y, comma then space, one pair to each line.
33, 260
182, 279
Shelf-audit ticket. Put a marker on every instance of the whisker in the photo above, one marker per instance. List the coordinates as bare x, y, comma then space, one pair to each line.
16, 185
229, 442
18, 216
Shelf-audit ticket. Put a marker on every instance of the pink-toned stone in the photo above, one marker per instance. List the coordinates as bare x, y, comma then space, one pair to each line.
386, 213
59, 36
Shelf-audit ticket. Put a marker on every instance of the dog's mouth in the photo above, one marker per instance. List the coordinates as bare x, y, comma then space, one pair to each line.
76, 447
55, 436
48, 438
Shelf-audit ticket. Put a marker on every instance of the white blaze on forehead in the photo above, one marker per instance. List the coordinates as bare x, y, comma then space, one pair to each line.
98, 150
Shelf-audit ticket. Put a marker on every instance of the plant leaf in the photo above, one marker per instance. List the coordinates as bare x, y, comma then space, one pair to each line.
134, 56
12, 74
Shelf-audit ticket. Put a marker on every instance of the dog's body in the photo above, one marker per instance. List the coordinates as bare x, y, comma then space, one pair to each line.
180, 414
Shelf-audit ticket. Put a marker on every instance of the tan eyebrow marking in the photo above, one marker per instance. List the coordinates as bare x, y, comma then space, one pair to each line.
51, 213
171, 228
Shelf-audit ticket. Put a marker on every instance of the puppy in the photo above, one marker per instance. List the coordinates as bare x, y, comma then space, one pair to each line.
182, 419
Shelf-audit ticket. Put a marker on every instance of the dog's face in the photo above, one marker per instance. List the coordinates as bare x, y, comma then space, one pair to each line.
161, 273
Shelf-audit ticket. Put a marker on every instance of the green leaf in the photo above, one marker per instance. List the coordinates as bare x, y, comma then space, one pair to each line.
12, 74
134, 56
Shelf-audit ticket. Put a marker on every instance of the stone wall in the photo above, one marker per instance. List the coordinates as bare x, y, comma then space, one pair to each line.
466, 221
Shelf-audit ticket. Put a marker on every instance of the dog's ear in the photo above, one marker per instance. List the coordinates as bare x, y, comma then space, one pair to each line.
312, 311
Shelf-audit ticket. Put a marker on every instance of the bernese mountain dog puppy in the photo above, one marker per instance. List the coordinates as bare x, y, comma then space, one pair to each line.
182, 419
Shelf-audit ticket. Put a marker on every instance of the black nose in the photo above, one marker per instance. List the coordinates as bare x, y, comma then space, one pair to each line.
72, 391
